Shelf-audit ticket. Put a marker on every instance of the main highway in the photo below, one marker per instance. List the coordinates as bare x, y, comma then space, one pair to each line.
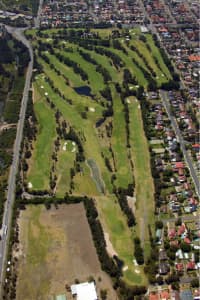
177, 131
7, 217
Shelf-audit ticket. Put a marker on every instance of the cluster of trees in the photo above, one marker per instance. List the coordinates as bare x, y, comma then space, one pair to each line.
6, 53
3, 185
117, 45
73, 136
138, 251
116, 59
128, 77
135, 49
152, 85
106, 93
15, 54
69, 62
175, 82
99, 68
121, 195
103, 71
151, 265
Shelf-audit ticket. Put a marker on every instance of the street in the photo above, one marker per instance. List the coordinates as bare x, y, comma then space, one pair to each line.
181, 141
18, 34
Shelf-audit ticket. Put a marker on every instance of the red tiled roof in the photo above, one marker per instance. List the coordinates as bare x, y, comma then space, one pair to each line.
164, 295
181, 229
179, 164
194, 57
187, 240
153, 297
172, 233
179, 267
191, 265
196, 146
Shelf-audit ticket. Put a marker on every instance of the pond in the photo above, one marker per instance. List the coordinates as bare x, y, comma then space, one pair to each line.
83, 90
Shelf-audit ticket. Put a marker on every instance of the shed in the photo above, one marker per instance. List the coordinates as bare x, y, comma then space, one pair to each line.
186, 295
84, 291
61, 297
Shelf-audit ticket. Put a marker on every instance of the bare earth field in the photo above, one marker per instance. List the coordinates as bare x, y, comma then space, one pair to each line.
56, 248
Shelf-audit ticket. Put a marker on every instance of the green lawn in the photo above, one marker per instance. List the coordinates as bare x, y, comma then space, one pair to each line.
38, 174
157, 54
74, 78
119, 143
144, 189
66, 160
95, 78
85, 126
121, 237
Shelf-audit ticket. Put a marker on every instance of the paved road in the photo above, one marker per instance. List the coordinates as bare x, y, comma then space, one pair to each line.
17, 33
177, 131
37, 19
183, 218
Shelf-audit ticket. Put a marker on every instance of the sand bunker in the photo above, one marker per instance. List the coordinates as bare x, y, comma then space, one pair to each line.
125, 268
30, 185
64, 146
109, 247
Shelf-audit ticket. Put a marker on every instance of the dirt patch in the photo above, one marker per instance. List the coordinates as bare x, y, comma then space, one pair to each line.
109, 247
131, 203
57, 248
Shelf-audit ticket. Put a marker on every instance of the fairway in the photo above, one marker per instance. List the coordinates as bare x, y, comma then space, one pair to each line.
40, 164
52, 255
114, 223
144, 182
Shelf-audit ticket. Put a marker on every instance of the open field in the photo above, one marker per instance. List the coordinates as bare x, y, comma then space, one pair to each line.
40, 165
102, 125
121, 237
119, 143
144, 190
54, 246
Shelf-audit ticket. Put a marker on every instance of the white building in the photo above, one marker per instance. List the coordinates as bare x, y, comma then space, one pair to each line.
84, 291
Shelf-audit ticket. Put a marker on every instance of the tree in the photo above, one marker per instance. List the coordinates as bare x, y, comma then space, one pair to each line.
103, 294
185, 247
195, 283
159, 224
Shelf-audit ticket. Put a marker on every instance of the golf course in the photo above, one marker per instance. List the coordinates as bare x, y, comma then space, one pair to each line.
87, 93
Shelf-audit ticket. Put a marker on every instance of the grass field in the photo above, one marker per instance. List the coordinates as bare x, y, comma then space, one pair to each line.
66, 158
144, 183
114, 223
40, 162
119, 143
51, 255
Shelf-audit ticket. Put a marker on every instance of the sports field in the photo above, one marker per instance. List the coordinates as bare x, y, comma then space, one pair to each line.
54, 247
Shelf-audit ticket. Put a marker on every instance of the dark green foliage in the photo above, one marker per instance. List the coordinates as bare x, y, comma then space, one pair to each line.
6, 54
121, 195
7, 138
138, 253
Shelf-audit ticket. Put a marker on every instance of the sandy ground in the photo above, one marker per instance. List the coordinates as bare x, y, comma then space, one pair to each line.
65, 252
